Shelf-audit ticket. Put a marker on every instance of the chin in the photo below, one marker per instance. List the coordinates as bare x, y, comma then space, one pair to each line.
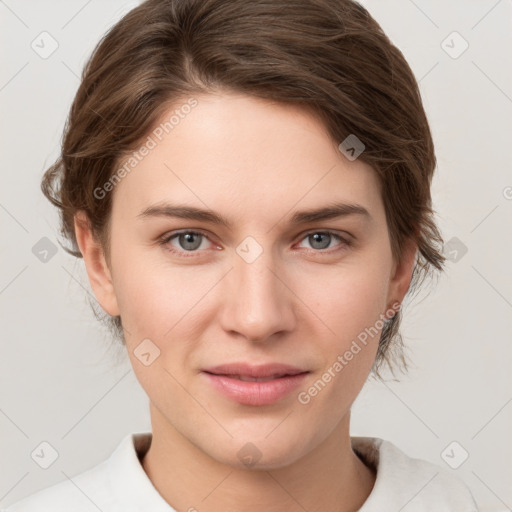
258, 452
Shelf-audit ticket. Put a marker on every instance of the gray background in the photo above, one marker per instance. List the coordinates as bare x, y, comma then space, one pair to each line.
60, 382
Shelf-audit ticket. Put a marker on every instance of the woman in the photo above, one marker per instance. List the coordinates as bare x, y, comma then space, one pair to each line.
248, 183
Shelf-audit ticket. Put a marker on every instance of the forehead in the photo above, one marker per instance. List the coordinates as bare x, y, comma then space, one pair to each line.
246, 155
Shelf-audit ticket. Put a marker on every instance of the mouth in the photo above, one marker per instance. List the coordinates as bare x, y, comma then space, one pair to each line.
255, 385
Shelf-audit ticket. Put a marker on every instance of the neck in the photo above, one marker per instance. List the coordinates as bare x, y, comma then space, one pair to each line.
331, 477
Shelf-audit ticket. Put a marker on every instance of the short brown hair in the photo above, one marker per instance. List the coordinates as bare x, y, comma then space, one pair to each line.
328, 56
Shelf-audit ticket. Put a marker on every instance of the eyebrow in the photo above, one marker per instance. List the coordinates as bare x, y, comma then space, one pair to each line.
330, 211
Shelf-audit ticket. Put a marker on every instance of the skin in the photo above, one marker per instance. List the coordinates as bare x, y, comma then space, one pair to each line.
256, 163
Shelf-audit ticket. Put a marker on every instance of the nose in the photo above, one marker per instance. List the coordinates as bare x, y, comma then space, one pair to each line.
258, 302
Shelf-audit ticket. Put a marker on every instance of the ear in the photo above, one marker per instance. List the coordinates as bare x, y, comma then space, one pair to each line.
95, 264
401, 274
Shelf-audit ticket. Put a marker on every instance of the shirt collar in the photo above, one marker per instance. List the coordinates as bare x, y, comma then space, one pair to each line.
131, 485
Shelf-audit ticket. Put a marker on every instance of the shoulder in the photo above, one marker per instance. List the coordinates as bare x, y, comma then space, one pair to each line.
80, 493
407, 481
117, 483
101, 487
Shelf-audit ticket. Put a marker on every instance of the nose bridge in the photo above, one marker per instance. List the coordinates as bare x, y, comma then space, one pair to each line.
259, 305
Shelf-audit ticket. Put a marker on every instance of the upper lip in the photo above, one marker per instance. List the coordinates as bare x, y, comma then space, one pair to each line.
248, 370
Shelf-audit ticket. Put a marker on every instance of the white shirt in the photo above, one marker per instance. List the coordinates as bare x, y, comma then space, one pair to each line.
120, 484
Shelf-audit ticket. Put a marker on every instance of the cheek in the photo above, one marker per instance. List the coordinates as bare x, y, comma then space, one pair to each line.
151, 303
347, 309
347, 303
155, 306
159, 300
138, 289
346, 299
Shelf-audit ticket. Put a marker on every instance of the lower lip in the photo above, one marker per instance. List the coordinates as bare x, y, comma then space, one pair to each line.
255, 393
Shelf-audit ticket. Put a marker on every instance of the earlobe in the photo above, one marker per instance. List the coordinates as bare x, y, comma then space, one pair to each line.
96, 266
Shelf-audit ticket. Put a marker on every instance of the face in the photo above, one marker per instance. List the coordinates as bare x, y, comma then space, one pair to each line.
273, 286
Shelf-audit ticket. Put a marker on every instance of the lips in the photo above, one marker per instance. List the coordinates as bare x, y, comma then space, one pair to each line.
259, 373
255, 385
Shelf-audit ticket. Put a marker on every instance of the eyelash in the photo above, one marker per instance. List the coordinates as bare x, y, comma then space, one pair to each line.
165, 240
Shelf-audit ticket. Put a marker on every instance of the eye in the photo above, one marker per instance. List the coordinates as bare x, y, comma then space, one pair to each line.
186, 241
191, 241
321, 240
